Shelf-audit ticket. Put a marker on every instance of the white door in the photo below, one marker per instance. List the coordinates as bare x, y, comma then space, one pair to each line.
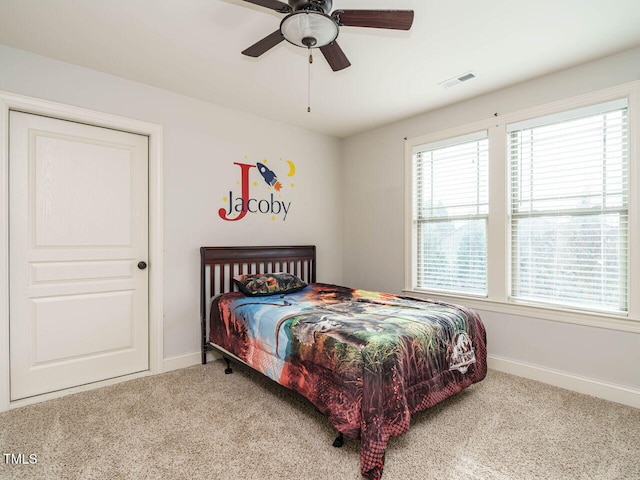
78, 220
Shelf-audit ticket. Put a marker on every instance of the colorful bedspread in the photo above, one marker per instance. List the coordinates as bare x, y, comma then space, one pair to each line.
366, 360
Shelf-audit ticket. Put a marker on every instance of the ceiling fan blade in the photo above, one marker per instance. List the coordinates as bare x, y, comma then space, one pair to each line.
263, 45
273, 5
391, 19
335, 56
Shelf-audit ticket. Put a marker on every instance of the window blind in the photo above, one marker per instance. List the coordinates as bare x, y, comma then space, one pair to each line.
569, 194
451, 206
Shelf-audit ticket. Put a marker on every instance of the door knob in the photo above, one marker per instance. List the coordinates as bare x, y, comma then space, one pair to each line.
142, 265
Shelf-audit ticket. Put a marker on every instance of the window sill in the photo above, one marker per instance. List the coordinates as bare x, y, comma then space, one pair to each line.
590, 319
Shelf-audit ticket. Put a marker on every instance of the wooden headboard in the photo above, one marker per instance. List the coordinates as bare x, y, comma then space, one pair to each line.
218, 266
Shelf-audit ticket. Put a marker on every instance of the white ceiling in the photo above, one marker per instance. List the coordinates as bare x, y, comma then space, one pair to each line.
193, 47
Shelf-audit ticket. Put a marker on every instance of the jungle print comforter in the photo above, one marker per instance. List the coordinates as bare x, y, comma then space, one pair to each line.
366, 360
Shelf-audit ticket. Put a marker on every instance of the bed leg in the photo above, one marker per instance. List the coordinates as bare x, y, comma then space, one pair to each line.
339, 441
228, 370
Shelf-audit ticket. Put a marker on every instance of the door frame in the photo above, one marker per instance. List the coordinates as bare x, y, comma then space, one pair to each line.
10, 101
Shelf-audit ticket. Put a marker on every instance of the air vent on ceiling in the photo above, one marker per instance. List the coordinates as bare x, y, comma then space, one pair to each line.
457, 80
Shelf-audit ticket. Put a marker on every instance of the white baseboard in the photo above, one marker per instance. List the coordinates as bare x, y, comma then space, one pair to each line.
589, 386
186, 360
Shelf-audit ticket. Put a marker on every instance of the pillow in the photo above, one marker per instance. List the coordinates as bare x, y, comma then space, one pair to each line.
262, 284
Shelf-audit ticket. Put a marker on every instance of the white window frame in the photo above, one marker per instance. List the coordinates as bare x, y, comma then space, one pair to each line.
498, 230
464, 139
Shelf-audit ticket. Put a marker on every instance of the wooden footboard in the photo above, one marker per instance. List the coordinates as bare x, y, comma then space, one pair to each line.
218, 266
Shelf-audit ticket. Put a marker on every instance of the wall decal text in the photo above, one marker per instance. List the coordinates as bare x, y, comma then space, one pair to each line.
238, 205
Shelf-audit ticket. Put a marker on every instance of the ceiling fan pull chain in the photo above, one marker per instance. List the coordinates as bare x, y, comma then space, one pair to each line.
309, 81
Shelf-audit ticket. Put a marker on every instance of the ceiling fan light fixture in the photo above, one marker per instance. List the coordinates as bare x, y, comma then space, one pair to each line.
309, 29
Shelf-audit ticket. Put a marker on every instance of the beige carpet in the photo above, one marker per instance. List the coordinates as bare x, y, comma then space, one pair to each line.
198, 423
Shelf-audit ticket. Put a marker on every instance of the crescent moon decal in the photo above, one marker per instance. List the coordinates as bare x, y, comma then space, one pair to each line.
292, 168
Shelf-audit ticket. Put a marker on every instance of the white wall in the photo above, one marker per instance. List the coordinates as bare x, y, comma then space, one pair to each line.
201, 142
374, 232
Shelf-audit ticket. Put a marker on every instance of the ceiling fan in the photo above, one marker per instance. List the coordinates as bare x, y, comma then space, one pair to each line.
308, 24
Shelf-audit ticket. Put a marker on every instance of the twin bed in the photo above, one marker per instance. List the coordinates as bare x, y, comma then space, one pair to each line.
366, 360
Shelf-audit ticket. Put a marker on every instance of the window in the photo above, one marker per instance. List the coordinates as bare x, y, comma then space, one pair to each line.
569, 209
532, 213
451, 207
